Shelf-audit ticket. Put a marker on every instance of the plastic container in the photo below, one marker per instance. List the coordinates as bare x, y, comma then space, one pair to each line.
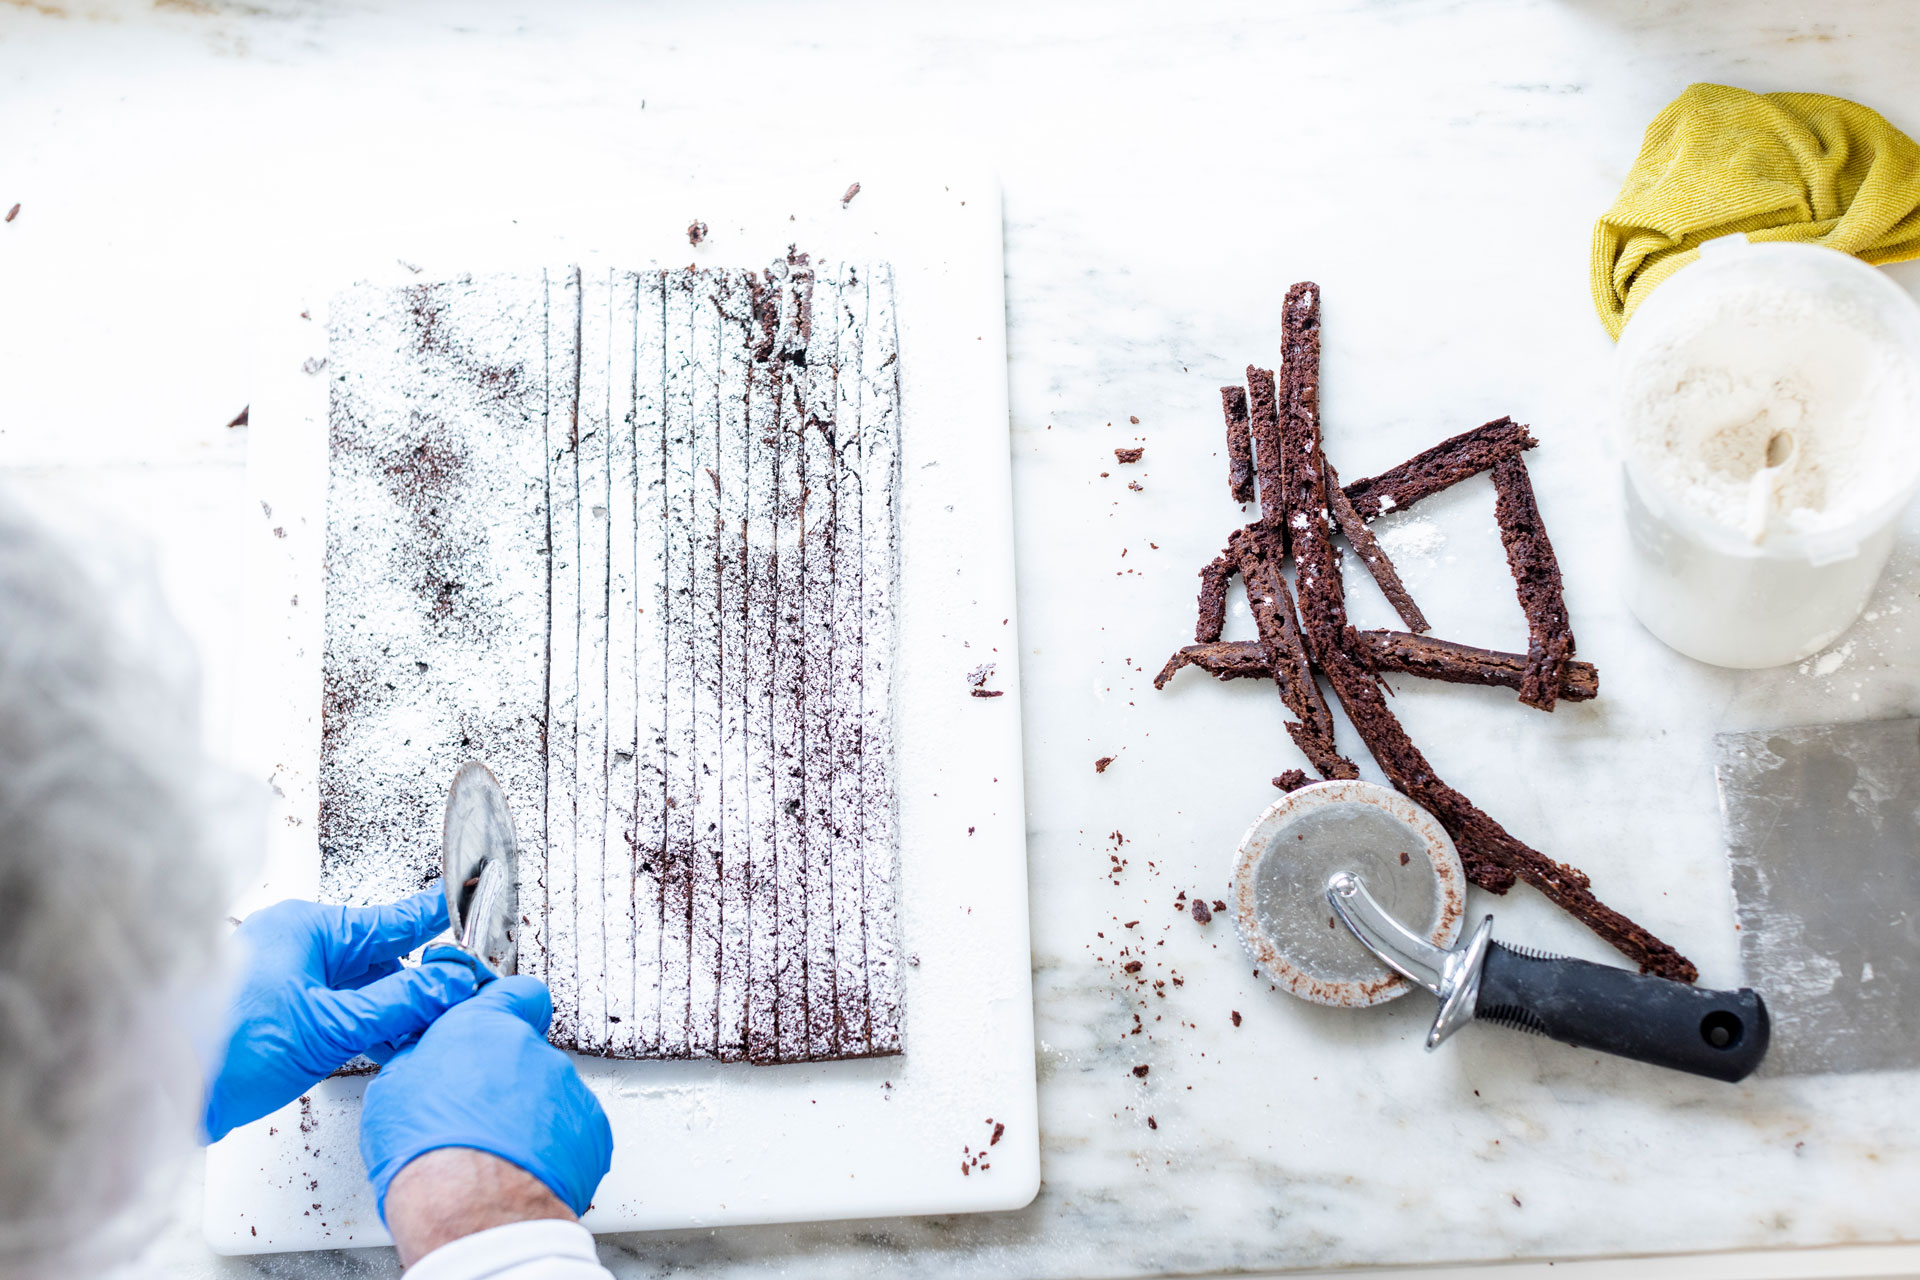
1708, 589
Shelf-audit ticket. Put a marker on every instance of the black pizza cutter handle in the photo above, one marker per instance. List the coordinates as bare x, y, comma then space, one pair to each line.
1719, 1034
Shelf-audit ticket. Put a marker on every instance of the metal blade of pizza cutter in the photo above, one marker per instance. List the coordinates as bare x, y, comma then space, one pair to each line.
1304, 839
477, 866
1822, 829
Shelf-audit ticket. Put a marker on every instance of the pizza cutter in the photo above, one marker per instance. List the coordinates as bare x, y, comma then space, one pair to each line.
1347, 893
478, 851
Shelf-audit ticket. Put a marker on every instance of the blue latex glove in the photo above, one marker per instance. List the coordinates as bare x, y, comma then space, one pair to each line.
320, 985
485, 1077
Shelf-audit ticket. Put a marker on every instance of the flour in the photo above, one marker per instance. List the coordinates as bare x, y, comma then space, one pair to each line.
1416, 541
1813, 380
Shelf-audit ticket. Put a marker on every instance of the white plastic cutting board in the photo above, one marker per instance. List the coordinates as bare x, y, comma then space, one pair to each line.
700, 1143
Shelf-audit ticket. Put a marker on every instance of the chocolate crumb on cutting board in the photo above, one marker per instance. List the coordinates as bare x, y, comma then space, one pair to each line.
13, 213
696, 231
1200, 913
1129, 455
847, 199
1100, 765
240, 418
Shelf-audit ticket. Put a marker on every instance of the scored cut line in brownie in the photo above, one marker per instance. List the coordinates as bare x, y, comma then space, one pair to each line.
1536, 575
1233, 402
1401, 652
1444, 465
1368, 548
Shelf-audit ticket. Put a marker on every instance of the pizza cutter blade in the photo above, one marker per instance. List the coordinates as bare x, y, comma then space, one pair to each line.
1325, 878
478, 852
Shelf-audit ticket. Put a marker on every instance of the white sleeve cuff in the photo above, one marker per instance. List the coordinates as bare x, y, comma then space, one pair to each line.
545, 1249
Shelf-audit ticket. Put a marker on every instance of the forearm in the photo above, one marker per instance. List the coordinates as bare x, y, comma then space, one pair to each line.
442, 1199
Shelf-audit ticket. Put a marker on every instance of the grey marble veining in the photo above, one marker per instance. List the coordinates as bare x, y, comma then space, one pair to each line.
1437, 168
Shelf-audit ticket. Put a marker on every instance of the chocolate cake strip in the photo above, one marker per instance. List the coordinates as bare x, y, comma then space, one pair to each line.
1317, 577
1361, 539
734, 300
1466, 664
1447, 463
879, 588
1268, 455
816, 818
849, 904
763, 454
677, 951
1212, 614
1233, 401
563, 674
789, 745
651, 611
591, 754
1397, 651
1222, 659
1536, 574
1258, 556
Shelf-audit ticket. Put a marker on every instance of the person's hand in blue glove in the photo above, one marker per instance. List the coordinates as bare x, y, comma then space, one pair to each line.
321, 984
483, 1079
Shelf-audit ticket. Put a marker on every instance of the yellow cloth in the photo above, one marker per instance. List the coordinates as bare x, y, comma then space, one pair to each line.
1779, 166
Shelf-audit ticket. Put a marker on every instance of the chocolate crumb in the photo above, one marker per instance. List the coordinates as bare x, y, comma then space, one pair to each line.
1219, 905
998, 1131
1100, 765
1201, 915
696, 231
1141, 1071
1132, 966
1135, 421
240, 418
1134, 485
1236, 1017
1130, 455
13, 213
847, 199
987, 693
1152, 1123
1292, 780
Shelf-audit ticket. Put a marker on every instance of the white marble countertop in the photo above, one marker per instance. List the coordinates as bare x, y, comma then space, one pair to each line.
1437, 168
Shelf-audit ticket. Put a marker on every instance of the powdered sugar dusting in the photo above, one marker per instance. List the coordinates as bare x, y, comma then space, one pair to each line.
641, 529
